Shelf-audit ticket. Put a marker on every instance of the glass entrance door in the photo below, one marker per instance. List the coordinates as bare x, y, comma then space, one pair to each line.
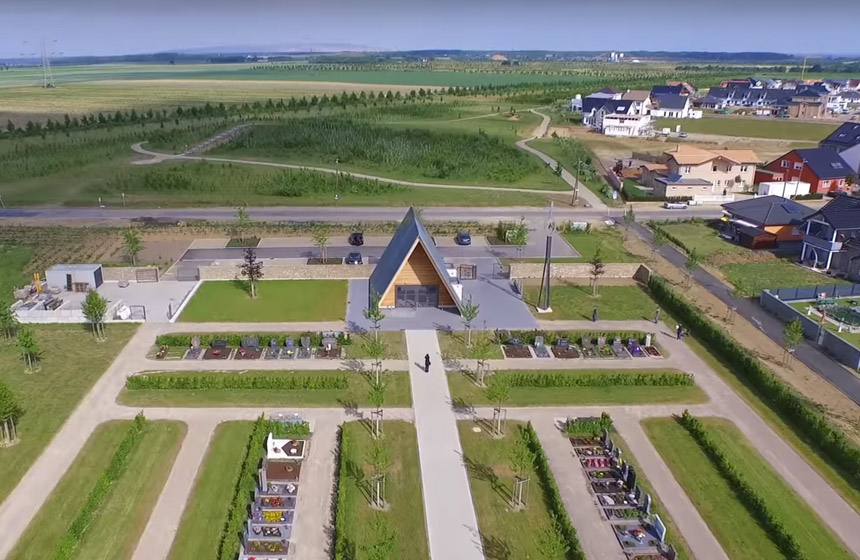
416, 296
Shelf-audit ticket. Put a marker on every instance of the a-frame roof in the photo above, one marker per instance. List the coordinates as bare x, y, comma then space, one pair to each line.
410, 232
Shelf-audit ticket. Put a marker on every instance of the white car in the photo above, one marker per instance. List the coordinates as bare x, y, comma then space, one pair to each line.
675, 205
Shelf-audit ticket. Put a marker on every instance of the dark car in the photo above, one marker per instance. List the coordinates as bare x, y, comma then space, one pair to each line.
356, 239
354, 258
463, 238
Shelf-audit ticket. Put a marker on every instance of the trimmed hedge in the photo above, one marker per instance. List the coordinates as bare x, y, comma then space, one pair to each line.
343, 548
99, 493
658, 226
550, 337
181, 382
591, 426
235, 339
745, 493
791, 407
608, 379
552, 495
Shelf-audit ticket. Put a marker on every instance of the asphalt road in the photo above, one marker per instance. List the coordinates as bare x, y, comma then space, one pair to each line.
749, 309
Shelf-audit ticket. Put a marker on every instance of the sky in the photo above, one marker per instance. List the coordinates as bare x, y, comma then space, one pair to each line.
111, 27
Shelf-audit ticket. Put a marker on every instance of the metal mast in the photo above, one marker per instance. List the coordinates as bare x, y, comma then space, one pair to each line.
47, 75
544, 295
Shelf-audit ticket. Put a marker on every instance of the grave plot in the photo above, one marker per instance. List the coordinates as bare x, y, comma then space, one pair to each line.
254, 346
613, 481
577, 344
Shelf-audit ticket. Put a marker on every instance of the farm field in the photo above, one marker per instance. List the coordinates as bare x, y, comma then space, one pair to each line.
277, 301
762, 127
205, 515
397, 391
466, 393
733, 526
71, 363
614, 303
358, 525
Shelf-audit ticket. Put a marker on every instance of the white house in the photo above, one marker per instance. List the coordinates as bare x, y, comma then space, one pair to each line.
785, 189
617, 124
674, 107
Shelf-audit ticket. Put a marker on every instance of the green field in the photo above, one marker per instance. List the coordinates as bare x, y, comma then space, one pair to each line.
576, 158
206, 513
737, 531
609, 240
13, 262
71, 363
466, 393
762, 127
278, 301
505, 533
357, 523
117, 525
751, 278
614, 303
397, 391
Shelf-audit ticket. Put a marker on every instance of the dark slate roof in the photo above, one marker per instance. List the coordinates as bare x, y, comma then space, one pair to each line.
675, 179
845, 136
843, 212
769, 211
590, 104
664, 90
608, 90
669, 101
809, 91
398, 250
826, 164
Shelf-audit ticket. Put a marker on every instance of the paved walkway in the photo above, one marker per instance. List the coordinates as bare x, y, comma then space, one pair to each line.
452, 525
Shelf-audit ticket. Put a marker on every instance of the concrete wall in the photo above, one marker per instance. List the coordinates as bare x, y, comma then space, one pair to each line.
580, 270
120, 273
231, 271
64, 314
841, 349
787, 313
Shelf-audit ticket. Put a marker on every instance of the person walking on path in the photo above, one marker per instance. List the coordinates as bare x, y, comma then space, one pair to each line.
679, 330
657, 316
594, 315
426, 363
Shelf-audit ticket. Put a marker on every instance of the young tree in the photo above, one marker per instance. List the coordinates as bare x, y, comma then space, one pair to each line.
242, 223
373, 313
10, 412
377, 350
792, 336
321, 241
376, 397
252, 269
597, 269
691, 264
468, 313
521, 461
132, 243
629, 218
29, 348
558, 169
481, 352
8, 320
497, 393
551, 543
380, 462
659, 240
95, 309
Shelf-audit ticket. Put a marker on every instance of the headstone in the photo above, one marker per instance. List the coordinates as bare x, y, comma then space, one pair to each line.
659, 528
647, 507
289, 343
631, 478
306, 342
601, 341
219, 343
538, 341
515, 342
250, 342
273, 343
624, 469
562, 343
195, 342
604, 437
648, 339
329, 342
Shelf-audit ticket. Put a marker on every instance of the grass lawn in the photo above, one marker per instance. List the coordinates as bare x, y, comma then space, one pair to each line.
736, 530
702, 238
783, 129
394, 340
51, 523
398, 392
277, 301
689, 463
13, 262
453, 345
751, 278
117, 526
403, 492
614, 303
514, 535
611, 245
206, 513
71, 362
465, 392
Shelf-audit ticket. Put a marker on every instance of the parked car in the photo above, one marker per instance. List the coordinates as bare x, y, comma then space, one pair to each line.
682, 135
675, 205
356, 239
463, 238
354, 258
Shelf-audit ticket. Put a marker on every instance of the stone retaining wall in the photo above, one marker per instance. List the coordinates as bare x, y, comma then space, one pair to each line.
561, 271
231, 271
120, 273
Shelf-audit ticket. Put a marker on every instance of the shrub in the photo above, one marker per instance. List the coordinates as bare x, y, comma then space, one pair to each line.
591, 426
183, 382
791, 407
745, 493
607, 379
235, 339
342, 546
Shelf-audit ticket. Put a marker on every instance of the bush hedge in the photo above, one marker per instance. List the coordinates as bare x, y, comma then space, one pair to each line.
99, 493
592, 426
552, 495
674, 239
235, 339
791, 407
343, 548
747, 495
607, 379
550, 337
182, 382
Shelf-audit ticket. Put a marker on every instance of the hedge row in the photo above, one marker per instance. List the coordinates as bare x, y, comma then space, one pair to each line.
608, 379
550, 337
657, 226
99, 493
180, 382
343, 548
235, 339
791, 407
552, 494
743, 490
591, 426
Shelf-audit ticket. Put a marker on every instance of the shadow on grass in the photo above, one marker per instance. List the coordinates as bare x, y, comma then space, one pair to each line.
495, 548
350, 406
462, 406
355, 473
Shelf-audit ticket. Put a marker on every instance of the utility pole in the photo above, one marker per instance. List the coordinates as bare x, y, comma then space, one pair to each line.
803, 69
575, 195
336, 180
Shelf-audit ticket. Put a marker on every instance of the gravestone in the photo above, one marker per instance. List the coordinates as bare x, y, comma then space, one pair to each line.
562, 343
250, 342
219, 343
647, 507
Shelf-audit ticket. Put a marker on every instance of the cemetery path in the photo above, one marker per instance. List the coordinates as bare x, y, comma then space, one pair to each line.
452, 526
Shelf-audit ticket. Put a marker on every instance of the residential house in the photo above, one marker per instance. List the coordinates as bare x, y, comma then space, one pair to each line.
764, 221
724, 171
822, 168
625, 117
808, 103
745, 82
677, 89
622, 124
686, 89
841, 101
674, 106
845, 140
830, 235
852, 259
